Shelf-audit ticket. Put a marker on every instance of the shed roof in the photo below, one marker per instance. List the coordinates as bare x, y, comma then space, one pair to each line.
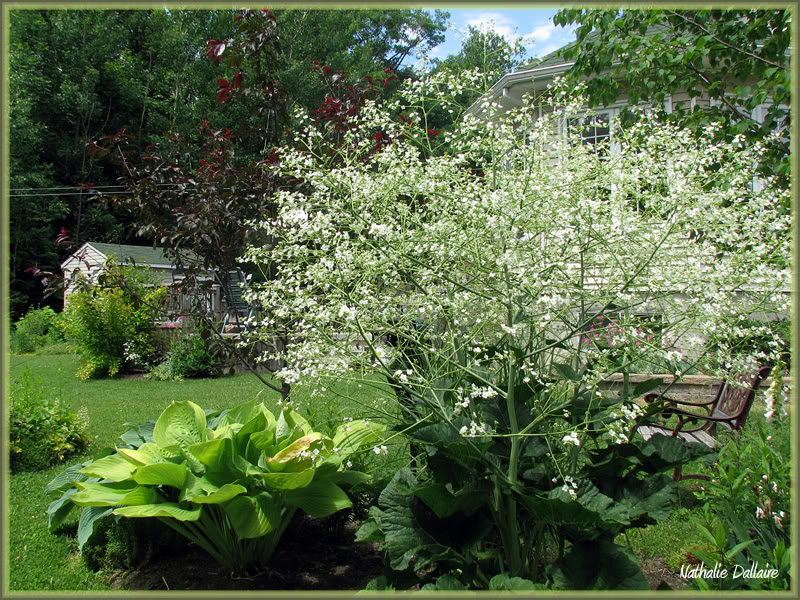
127, 254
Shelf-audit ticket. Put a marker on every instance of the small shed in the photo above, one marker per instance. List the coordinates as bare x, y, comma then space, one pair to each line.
88, 261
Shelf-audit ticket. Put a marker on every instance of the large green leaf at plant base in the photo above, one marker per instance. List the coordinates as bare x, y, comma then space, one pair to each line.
659, 453
162, 474
507, 583
181, 424
444, 583
653, 497
253, 516
405, 539
591, 509
318, 498
164, 509
58, 510
612, 568
445, 504
113, 494
86, 521
113, 467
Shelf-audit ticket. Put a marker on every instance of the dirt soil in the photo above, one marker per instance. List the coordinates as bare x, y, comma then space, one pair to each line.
313, 554
310, 556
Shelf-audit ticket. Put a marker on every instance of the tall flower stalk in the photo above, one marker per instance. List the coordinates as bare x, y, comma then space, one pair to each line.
467, 267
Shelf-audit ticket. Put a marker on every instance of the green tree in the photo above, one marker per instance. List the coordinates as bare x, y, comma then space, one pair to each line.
736, 58
487, 51
358, 42
75, 75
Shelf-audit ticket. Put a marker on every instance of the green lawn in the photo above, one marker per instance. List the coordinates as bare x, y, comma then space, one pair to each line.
40, 560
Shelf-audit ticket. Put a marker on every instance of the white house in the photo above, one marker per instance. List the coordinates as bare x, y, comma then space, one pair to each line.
597, 126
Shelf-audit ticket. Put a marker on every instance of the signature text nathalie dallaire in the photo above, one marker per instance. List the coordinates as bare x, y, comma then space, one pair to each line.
752, 572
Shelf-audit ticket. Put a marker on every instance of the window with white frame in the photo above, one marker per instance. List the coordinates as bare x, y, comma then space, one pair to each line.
594, 129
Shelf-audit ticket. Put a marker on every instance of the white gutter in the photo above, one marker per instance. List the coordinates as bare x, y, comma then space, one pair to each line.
502, 87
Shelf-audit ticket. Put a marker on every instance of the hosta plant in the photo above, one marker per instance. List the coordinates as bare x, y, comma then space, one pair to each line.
230, 482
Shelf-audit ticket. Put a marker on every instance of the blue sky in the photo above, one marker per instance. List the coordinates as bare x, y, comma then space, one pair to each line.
534, 26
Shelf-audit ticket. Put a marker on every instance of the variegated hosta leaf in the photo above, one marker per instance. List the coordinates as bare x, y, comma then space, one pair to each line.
164, 509
162, 474
113, 494
113, 467
253, 516
297, 456
181, 424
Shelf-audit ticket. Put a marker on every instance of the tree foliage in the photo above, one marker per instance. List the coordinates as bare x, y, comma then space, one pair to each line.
79, 75
736, 58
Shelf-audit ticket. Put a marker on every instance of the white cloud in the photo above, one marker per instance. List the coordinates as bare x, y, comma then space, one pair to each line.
497, 22
540, 34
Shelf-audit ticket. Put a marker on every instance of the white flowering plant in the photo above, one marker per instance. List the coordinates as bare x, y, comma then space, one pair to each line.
466, 267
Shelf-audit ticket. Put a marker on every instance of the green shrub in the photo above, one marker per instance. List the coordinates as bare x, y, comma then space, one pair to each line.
746, 515
41, 430
163, 372
38, 328
111, 324
192, 354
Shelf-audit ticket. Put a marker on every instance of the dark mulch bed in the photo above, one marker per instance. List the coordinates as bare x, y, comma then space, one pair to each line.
313, 554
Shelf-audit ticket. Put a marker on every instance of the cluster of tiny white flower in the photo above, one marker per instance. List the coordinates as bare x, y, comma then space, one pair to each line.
570, 487
571, 439
475, 429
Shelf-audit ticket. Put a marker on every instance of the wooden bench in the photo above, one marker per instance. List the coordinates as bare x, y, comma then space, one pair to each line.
729, 408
